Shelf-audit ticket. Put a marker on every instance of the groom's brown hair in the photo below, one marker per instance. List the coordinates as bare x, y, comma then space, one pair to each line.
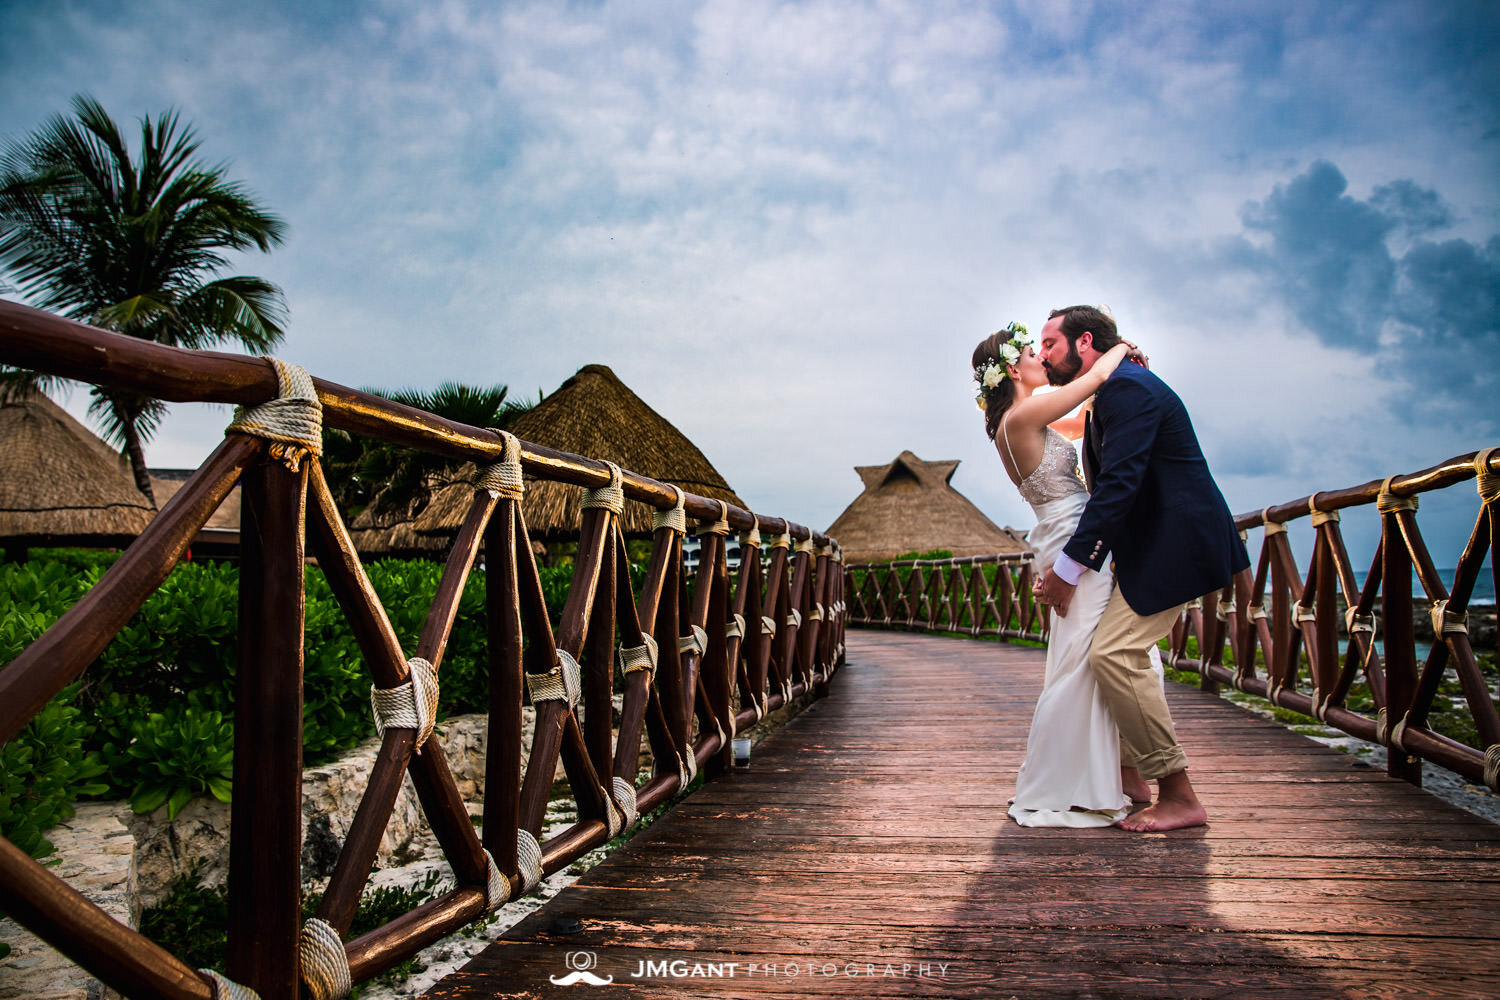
1078, 320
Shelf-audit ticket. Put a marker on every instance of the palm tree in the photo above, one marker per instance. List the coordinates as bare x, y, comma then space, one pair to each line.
132, 245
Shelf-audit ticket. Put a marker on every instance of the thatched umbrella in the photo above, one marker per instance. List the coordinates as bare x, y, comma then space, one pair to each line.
595, 415
908, 505
60, 484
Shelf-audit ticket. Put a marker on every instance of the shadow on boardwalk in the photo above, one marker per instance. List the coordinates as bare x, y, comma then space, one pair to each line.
867, 854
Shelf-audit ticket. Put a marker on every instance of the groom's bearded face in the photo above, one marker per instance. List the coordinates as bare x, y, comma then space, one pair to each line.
1067, 369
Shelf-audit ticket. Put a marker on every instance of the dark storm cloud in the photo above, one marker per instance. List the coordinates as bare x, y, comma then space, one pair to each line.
1430, 313
1327, 256
1448, 296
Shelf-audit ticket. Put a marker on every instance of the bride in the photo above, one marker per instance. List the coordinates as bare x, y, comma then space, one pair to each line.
1072, 774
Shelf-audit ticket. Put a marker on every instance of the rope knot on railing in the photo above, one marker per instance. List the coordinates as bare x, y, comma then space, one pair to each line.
610, 496
1445, 622
1390, 503
767, 625
735, 629
1272, 527
1320, 517
325, 964
794, 618
292, 422
1492, 767
674, 517
806, 545
562, 683
696, 642
750, 539
1487, 481
227, 989
1306, 614
496, 887
412, 705
642, 657
1224, 610
1387, 735
624, 799
782, 541
504, 478
528, 860
720, 526
1356, 622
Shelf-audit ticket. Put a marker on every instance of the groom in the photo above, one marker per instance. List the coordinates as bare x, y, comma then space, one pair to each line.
1156, 514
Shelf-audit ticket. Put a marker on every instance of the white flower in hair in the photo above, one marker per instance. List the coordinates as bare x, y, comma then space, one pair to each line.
992, 373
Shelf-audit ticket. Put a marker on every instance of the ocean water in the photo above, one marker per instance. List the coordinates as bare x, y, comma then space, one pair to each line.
1484, 586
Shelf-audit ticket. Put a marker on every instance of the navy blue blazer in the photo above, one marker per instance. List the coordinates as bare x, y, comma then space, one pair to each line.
1153, 508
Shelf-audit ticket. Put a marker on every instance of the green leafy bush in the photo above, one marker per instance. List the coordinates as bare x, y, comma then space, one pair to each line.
192, 919
43, 771
152, 719
185, 750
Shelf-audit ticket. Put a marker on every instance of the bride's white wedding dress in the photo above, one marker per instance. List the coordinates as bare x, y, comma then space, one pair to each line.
1071, 775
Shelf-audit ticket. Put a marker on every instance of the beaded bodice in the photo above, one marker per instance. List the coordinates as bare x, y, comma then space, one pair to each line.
1057, 475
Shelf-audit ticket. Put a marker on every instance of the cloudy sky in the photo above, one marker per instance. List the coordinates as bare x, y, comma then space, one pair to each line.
785, 225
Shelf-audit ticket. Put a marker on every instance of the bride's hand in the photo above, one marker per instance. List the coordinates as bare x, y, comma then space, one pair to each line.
1134, 353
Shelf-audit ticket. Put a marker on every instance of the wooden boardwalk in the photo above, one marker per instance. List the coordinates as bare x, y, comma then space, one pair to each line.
867, 853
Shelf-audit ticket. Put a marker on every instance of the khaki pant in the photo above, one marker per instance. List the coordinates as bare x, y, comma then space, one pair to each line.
1122, 668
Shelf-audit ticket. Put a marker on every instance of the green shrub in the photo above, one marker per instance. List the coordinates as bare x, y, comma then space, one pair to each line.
43, 771
156, 709
192, 919
183, 639
185, 750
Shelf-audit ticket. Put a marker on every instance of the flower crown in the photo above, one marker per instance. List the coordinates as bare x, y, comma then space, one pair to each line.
992, 373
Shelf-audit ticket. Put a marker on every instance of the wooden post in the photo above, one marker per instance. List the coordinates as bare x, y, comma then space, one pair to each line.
502, 761
266, 816
1400, 652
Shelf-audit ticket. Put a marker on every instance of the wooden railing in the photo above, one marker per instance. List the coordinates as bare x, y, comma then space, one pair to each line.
974, 595
713, 675
1297, 640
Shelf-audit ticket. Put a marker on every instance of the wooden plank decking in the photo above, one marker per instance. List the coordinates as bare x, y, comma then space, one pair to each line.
867, 853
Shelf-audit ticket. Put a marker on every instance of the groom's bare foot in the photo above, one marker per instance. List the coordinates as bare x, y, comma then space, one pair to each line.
1176, 807
1134, 785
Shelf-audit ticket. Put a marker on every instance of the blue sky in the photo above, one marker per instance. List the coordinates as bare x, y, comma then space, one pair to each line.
785, 225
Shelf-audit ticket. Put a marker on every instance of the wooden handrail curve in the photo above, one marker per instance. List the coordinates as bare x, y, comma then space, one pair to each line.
727, 654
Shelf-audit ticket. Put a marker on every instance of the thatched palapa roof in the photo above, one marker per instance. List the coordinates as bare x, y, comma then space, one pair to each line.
166, 482
909, 506
392, 538
596, 415
59, 483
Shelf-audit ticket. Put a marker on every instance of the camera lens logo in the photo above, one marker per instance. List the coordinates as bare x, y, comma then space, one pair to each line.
582, 963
